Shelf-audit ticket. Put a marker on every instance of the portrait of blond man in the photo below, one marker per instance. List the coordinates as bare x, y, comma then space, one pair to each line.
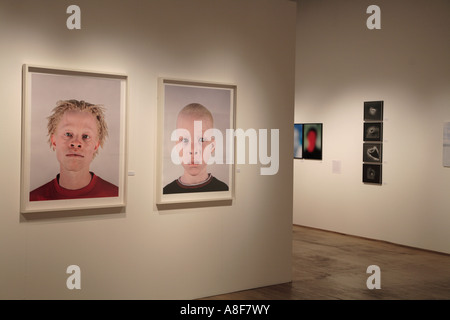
76, 137
76, 132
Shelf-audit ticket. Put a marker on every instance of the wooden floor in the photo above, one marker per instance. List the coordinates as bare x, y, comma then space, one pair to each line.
332, 266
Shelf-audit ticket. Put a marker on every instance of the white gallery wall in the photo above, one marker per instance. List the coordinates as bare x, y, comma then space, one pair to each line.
142, 252
340, 63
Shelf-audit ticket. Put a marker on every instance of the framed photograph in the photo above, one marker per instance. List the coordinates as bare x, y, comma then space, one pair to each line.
446, 145
312, 141
195, 153
373, 131
372, 173
373, 111
73, 139
298, 141
373, 152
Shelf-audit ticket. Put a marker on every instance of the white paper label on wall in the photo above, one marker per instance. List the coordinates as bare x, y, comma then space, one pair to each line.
336, 166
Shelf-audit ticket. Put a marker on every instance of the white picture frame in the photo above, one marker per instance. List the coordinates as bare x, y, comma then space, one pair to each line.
43, 87
220, 100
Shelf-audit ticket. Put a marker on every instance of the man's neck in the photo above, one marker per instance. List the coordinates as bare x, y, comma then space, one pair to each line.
188, 179
74, 180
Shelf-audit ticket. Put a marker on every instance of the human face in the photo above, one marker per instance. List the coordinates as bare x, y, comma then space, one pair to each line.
75, 141
197, 146
311, 140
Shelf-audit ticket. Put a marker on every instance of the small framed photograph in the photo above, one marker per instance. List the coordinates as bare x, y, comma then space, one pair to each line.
373, 111
298, 141
312, 141
372, 173
372, 152
73, 139
446, 145
373, 131
195, 152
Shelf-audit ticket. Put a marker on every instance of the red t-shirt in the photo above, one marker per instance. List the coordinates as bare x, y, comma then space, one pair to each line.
97, 188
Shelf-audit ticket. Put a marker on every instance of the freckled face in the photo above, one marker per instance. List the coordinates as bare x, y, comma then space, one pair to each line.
75, 140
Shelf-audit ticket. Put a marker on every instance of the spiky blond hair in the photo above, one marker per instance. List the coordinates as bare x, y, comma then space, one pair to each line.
98, 111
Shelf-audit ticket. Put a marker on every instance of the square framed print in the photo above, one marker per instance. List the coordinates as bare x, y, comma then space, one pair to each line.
195, 153
73, 139
373, 131
298, 141
373, 110
373, 152
372, 173
312, 141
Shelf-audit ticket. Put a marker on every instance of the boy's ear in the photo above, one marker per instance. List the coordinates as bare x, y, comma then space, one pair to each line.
52, 140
